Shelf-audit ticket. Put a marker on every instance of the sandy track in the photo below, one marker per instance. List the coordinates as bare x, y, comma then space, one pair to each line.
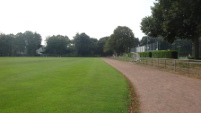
160, 91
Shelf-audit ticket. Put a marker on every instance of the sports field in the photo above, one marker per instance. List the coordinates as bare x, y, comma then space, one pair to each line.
61, 85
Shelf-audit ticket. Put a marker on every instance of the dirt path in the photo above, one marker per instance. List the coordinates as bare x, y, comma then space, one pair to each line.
160, 91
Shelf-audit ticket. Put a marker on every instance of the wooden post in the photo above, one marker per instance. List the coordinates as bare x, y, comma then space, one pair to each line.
152, 62
188, 67
174, 65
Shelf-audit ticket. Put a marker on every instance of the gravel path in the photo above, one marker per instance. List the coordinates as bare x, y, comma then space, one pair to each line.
160, 91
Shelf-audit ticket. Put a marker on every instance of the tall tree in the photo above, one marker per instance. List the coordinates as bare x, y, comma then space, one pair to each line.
82, 44
149, 26
93, 46
57, 45
122, 40
20, 44
100, 47
109, 45
177, 19
6, 45
136, 42
32, 41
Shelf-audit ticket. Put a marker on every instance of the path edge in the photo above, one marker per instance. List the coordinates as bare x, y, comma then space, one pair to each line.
134, 106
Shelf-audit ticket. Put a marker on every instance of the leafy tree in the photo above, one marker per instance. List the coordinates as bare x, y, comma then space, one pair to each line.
100, 47
32, 41
136, 42
122, 40
93, 46
6, 45
109, 45
176, 19
57, 45
83, 44
70, 49
150, 27
20, 44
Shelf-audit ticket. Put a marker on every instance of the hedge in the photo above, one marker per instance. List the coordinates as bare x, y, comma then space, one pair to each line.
145, 54
160, 54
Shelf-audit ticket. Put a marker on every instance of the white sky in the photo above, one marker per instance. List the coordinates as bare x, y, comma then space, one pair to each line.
97, 18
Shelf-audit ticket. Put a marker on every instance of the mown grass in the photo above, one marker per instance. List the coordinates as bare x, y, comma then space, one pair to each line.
61, 85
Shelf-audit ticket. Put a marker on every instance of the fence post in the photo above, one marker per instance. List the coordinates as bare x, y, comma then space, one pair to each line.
145, 61
188, 67
174, 65
158, 62
152, 62
142, 60
165, 63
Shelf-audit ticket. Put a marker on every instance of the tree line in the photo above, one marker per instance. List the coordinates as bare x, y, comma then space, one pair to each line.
29, 44
121, 41
20, 44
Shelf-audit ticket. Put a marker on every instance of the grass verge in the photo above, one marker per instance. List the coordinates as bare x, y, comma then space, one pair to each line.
134, 104
134, 99
61, 85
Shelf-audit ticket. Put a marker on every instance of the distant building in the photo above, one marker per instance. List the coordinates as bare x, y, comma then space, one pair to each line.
138, 49
148, 47
40, 50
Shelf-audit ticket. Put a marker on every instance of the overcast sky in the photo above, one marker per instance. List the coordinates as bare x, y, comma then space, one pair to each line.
97, 18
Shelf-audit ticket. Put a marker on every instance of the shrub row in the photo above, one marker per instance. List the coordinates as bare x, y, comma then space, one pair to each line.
145, 54
160, 54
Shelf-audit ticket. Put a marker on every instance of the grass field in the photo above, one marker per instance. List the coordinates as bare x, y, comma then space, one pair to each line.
61, 85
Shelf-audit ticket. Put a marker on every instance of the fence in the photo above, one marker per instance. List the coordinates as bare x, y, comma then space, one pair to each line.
148, 47
186, 66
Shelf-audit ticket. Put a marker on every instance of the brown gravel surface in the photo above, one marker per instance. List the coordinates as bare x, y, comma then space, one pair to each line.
161, 91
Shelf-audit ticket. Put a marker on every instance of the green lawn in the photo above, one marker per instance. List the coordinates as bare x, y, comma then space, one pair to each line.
61, 85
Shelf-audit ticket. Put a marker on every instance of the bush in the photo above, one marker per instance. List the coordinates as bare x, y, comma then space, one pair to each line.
145, 54
165, 54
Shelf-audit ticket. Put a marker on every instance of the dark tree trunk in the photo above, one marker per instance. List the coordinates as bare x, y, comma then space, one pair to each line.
196, 48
